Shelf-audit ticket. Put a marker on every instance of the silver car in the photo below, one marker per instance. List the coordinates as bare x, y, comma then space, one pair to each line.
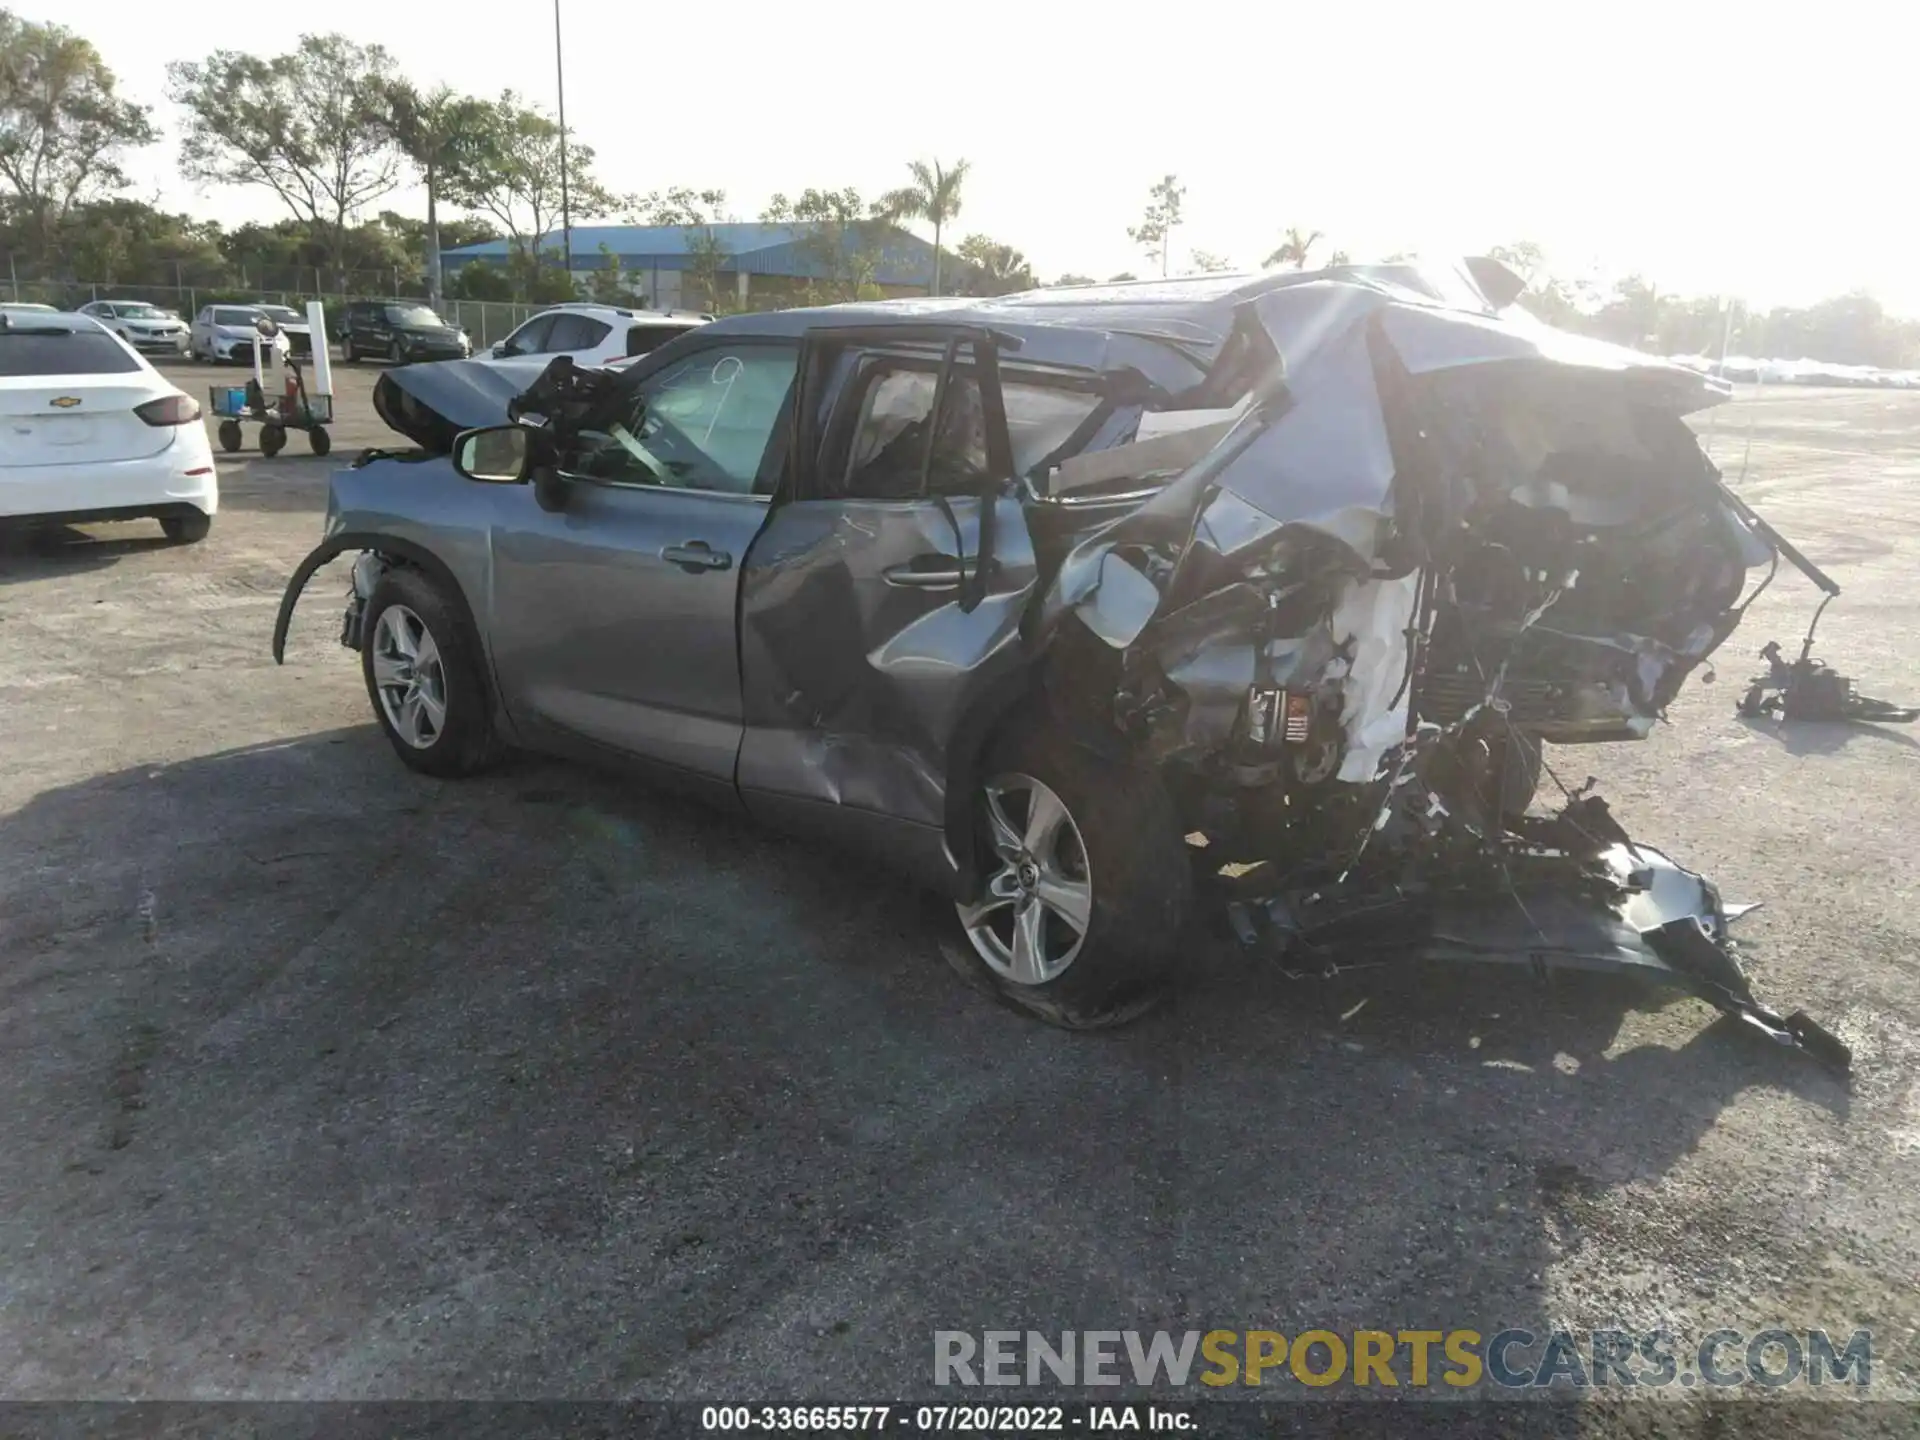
1094, 609
147, 328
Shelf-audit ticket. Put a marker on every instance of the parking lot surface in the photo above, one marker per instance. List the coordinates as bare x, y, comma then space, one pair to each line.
323, 1079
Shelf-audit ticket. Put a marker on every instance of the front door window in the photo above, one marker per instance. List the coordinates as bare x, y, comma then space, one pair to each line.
706, 422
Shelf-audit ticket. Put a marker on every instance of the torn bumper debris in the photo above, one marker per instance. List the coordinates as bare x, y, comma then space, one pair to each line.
1807, 690
1614, 907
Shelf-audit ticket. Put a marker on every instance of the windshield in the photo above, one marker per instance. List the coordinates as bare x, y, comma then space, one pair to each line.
412, 315
141, 312
284, 314
234, 317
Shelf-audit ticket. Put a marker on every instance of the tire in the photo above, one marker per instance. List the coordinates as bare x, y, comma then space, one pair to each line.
231, 436
318, 440
459, 739
1117, 856
273, 439
186, 529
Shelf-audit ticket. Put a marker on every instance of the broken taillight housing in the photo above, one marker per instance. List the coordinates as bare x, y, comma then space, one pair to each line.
1298, 710
169, 410
1279, 717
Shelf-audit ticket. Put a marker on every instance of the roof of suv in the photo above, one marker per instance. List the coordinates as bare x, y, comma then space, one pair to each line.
618, 313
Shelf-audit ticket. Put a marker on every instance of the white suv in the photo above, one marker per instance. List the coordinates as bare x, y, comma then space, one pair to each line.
595, 334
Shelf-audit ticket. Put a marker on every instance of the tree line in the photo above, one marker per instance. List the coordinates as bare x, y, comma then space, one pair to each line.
330, 129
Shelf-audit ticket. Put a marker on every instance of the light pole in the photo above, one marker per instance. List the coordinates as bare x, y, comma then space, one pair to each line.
560, 74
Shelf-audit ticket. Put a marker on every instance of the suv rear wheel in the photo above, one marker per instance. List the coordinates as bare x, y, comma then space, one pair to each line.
1087, 890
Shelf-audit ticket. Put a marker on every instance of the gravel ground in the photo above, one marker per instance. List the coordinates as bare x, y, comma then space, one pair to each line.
322, 1079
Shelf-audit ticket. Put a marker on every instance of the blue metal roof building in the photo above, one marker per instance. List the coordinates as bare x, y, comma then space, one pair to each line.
658, 254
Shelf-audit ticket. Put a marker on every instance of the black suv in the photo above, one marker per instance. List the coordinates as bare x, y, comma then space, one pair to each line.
398, 331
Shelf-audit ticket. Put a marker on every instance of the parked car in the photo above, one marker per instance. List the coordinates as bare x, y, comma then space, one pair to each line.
595, 334
147, 328
293, 324
1088, 607
94, 432
225, 333
399, 331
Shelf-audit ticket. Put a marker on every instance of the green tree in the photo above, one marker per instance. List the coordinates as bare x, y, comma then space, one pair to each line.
63, 127
128, 242
934, 196
843, 240
1294, 248
478, 280
1546, 297
1154, 233
510, 171
679, 205
608, 285
990, 268
312, 126
1071, 279
1205, 262
432, 128
697, 212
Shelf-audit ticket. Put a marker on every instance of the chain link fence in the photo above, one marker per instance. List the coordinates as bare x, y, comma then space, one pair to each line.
487, 322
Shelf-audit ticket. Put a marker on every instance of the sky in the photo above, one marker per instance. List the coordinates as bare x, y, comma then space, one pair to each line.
1763, 151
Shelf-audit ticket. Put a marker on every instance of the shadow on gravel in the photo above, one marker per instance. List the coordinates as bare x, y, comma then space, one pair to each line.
329, 1080
39, 552
1824, 738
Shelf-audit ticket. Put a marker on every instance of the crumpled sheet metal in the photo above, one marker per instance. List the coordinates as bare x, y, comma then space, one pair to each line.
1322, 461
867, 728
1325, 465
1665, 924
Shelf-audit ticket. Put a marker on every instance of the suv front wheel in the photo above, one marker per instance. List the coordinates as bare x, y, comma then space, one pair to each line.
1087, 887
423, 674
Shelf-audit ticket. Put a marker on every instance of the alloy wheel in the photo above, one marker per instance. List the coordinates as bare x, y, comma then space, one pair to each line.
1031, 921
409, 677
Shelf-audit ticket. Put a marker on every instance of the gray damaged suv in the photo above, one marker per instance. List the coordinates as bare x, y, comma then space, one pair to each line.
1096, 609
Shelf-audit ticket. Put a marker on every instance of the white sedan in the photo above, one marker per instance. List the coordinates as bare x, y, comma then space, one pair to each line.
223, 333
90, 431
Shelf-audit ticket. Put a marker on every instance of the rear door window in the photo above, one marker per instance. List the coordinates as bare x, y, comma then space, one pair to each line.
77, 352
887, 447
531, 338
576, 332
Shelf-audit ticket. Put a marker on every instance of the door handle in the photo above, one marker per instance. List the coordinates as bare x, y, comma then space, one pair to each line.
928, 572
697, 555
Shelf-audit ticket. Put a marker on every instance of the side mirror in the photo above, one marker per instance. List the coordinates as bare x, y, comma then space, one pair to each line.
267, 326
501, 351
497, 455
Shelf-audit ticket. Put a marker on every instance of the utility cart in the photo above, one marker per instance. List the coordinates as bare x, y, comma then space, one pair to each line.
294, 408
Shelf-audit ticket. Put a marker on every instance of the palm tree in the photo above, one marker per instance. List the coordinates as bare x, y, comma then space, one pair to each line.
934, 196
431, 130
1295, 248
